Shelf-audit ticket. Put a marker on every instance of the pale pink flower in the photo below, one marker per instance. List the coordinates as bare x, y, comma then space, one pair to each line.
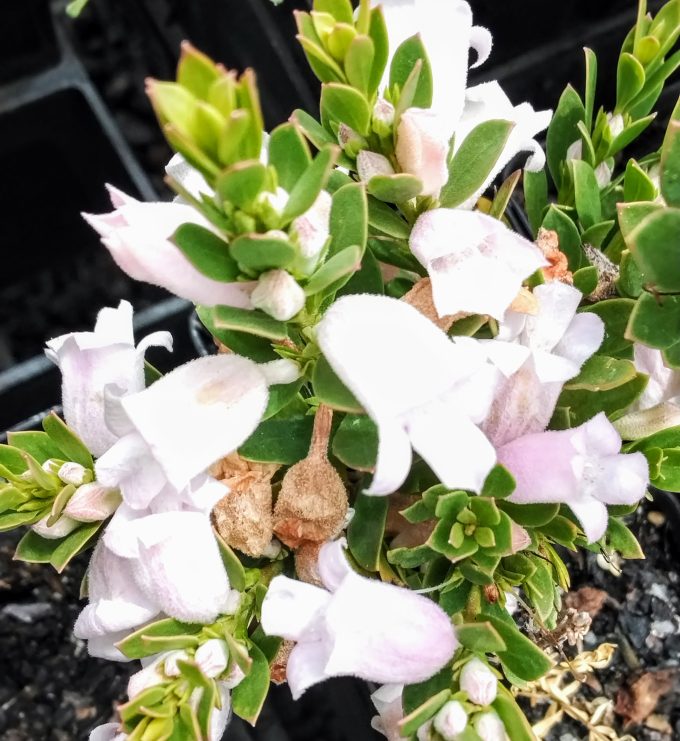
423, 147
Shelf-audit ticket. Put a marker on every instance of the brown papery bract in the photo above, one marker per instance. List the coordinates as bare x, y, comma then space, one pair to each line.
312, 503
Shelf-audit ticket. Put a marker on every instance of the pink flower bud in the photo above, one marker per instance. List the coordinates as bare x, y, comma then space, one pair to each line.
479, 682
489, 727
313, 227
234, 678
61, 528
423, 148
450, 720
212, 657
92, 503
149, 676
278, 294
370, 164
73, 473
170, 665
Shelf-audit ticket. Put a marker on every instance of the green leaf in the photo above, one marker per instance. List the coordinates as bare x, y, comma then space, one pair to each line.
386, 220
356, 442
349, 218
11, 498
12, 460
342, 264
378, 32
622, 540
341, 10
261, 252
570, 240
504, 194
636, 184
75, 7
655, 321
39, 445
344, 104
563, 131
587, 193
454, 600
330, 390
598, 233
396, 252
196, 72
586, 279
530, 515
252, 322
631, 215
359, 63
280, 396
600, 373
16, 519
242, 183
67, 441
248, 697
283, 441
312, 129
404, 60
522, 657
535, 197
414, 695
584, 405
591, 87
368, 279
207, 252
655, 246
232, 564
631, 280
480, 637
33, 548
475, 161
135, 645
73, 544
366, 530
289, 154
511, 714
412, 722
615, 314
630, 79
397, 188
251, 346
310, 184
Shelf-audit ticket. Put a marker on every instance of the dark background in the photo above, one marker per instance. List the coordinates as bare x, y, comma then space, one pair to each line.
73, 116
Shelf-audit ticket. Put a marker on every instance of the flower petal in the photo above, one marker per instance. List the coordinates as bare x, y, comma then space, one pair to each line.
291, 608
306, 667
215, 402
393, 462
333, 564
422, 149
593, 517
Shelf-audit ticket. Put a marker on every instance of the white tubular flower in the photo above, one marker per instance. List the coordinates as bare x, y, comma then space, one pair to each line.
476, 264
214, 402
370, 164
479, 682
448, 35
489, 727
356, 626
388, 703
278, 294
423, 148
139, 237
488, 101
313, 227
537, 354
61, 528
413, 382
91, 361
582, 467
107, 732
212, 657
450, 720
92, 503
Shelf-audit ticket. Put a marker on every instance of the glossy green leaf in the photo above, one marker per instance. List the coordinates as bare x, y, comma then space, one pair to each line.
600, 373
260, 252
404, 60
310, 184
615, 314
563, 131
135, 645
368, 279
655, 247
343, 104
207, 252
584, 405
587, 193
366, 530
248, 696
282, 441
480, 637
312, 129
330, 390
250, 346
622, 540
530, 515
73, 544
396, 188
586, 279
232, 564
629, 135
412, 722
475, 161
289, 154
67, 441
341, 10
598, 233
655, 321
500, 483
522, 657
359, 63
630, 79
38, 445
252, 322
378, 32
514, 719
349, 218
356, 442
535, 198
341, 265
637, 185
591, 86
570, 240
386, 220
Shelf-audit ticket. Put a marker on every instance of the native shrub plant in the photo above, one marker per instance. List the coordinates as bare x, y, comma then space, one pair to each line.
413, 411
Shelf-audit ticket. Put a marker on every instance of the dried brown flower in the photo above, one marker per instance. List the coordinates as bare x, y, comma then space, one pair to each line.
280, 662
307, 562
312, 503
243, 518
549, 243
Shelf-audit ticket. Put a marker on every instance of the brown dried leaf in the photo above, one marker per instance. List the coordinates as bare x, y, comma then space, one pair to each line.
307, 563
420, 297
638, 701
549, 243
280, 662
587, 599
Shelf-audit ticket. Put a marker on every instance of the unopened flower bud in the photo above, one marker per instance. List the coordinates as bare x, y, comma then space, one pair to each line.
383, 118
93, 502
520, 538
424, 733
170, 663
489, 727
574, 151
212, 657
616, 124
74, 473
423, 149
603, 173
479, 682
370, 164
61, 528
147, 677
312, 229
234, 678
450, 720
351, 142
278, 294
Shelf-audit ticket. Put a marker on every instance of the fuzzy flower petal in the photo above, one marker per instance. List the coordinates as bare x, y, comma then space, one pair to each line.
365, 628
91, 361
477, 265
138, 236
409, 376
423, 148
580, 467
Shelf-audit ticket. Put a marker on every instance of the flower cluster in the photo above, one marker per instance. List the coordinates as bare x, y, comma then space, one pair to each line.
416, 405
